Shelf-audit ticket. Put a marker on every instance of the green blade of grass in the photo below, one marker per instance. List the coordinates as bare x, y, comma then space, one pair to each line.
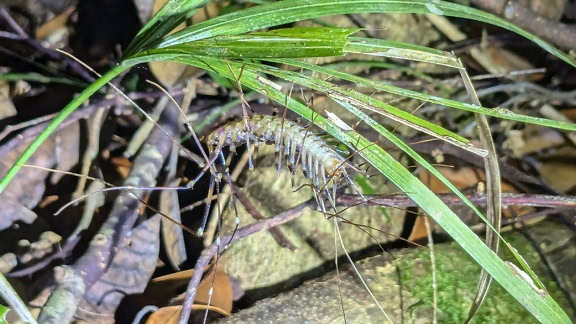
401, 50
308, 42
374, 105
342, 98
37, 77
539, 303
172, 14
495, 112
288, 11
369, 64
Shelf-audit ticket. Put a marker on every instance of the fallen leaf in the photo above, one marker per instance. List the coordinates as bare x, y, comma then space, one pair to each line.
161, 289
55, 24
128, 274
171, 314
27, 188
172, 234
67, 150
123, 165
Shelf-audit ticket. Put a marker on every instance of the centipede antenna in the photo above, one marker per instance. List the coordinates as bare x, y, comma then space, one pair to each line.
211, 290
337, 228
184, 117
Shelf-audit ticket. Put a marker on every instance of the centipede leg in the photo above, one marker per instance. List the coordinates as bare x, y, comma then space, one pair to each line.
228, 179
354, 186
202, 172
249, 148
317, 187
208, 202
278, 149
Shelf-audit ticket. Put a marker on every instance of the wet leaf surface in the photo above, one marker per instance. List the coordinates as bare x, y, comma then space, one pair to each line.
128, 274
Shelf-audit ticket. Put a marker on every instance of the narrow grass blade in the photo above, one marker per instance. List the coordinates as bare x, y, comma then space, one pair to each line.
288, 11
401, 50
287, 42
172, 14
494, 112
539, 303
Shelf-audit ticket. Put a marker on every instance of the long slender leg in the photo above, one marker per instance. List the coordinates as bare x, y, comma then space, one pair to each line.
228, 179
207, 208
337, 228
338, 270
354, 186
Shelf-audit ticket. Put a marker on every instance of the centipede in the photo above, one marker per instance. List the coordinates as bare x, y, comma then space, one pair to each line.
295, 144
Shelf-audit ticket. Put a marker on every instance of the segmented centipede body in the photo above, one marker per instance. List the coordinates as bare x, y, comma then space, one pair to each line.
296, 143
300, 147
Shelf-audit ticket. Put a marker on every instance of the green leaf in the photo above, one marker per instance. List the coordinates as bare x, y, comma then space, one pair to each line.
279, 43
394, 49
288, 11
495, 112
172, 14
539, 303
374, 105
37, 77
3, 312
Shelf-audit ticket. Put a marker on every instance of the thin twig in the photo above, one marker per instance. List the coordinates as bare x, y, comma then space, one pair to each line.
37, 46
508, 199
215, 248
12, 23
35, 130
278, 236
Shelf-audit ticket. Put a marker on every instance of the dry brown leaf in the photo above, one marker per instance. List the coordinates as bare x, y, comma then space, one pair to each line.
165, 287
172, 234
67, 150
128, 274
569, 113
497, 60
27, 188
170, 314
559, 172
123, 165
55, 24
